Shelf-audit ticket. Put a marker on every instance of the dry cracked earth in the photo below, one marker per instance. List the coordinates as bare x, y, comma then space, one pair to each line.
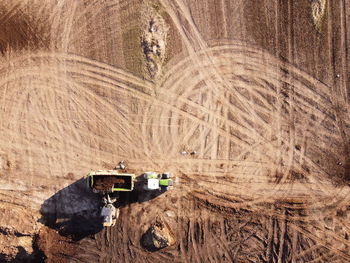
259, 89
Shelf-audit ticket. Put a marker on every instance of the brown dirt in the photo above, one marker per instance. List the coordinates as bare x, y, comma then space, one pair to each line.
55, 247
259, 89
108, 182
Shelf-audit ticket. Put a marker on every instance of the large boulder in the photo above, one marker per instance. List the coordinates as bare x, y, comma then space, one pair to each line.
158, 236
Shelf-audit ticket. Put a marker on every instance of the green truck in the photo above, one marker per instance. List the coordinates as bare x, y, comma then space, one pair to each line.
156, 181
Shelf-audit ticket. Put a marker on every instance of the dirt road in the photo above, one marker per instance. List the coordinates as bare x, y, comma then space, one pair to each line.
258, 89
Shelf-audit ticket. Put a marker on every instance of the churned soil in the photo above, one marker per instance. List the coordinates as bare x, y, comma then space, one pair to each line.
258, 89
54, 247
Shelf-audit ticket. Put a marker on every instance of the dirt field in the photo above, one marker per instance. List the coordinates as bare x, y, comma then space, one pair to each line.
259, 89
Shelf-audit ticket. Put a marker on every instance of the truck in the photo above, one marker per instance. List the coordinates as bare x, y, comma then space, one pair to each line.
157, 181
108, 183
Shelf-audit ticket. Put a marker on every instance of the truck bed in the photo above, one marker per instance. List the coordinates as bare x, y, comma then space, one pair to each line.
109, 182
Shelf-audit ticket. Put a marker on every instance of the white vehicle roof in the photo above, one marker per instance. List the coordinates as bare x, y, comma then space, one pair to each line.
153, 184
106, 211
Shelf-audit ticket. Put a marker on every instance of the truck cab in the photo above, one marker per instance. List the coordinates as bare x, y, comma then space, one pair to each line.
155, 181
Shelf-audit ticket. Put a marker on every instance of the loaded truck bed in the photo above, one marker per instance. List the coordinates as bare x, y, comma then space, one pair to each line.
110, 181
104, 182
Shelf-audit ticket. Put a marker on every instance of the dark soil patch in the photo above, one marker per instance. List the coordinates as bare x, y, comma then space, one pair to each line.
54, 247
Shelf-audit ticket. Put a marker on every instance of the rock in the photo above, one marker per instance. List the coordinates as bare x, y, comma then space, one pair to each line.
158, 236
170, 213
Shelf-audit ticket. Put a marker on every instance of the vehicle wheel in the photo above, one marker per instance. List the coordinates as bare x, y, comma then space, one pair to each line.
147, 175
166, 175
165, 188
170, 182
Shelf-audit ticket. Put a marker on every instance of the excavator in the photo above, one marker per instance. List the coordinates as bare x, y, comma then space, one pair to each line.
109, 183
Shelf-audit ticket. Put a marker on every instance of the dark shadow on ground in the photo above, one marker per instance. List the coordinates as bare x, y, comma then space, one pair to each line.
22, 257
74, 211
157, 237
146, 241
139, 195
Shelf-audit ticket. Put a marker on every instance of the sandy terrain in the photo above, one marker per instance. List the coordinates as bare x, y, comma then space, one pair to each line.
259, 89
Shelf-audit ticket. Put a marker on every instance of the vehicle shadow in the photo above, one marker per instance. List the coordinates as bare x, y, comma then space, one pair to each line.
139, 195
74, 211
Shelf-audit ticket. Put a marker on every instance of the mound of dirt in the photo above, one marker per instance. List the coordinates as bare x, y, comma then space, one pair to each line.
55, 248
153, 42
158, 236
15, 248
318, 9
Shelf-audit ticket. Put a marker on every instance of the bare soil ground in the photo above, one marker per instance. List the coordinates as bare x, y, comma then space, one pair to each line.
259, 89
